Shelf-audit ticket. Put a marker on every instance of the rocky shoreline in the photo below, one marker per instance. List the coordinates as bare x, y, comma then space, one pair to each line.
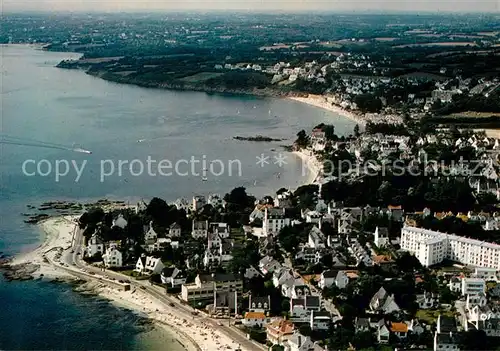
65, 208
22, 271
260, 138
178, 85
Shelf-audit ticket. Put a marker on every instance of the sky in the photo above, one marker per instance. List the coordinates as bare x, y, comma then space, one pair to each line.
254, 5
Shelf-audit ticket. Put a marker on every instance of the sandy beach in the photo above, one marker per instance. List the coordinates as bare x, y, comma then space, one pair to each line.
321, 102
313, 166
58, 233
193, 333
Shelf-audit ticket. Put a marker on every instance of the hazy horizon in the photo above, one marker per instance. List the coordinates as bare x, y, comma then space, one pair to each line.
491, 6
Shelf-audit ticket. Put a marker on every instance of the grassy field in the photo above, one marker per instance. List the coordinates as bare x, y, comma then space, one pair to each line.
473, 114
200, 77
431, 316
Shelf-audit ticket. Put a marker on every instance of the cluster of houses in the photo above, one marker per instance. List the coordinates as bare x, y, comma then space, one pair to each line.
306, 306
350, 254
370, 151
111, 255
369, 79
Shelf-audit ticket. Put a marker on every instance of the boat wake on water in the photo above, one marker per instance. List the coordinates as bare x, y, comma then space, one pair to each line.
10, 140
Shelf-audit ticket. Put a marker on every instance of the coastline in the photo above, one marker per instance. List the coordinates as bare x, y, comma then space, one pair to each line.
58, 236
321, 101
43, 261
313, 167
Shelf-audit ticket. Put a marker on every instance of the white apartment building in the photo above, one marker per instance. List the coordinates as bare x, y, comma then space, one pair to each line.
432, 247
274, 221
473, 286
204, 286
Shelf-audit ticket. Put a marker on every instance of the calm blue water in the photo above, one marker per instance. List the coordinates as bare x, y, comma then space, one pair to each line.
72, 109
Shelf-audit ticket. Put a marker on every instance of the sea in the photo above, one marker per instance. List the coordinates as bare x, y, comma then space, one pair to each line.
144, 143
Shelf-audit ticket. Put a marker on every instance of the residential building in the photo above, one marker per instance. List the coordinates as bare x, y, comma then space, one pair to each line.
313, 217
174, 231
141, 206
182, 204
251, 272
488, 274
198, 203
415, 327
205, 285
446, 342
427, 300
299, 342
216, 201
149, 265
331, 277
259, 303
383, 332
301, 308
200, 229
112, 258
399, 330
282, 276
362, 325
119, 222
151, 235
383, 302
484, 317
269, 265
274, 220
309, 254
381, 236
320, 320
221, 229
473, 286
95, 245
432, 247
172, 276
279, 331
218, 251
255, 319
316, 239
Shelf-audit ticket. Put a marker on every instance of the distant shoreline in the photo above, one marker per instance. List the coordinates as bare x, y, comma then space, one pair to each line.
320, 101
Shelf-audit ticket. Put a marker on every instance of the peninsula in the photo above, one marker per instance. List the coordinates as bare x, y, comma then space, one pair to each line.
228, 268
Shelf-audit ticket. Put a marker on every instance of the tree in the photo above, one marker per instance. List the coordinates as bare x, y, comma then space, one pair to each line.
157, 209
474, 339
305, 330
244, 257
302, 139
92, 217
356, 130
238, 200
368, 102
328, 129
408, 263
363, 340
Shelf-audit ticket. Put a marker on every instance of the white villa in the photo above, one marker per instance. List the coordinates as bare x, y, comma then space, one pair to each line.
112, 257
95, 245
148, 265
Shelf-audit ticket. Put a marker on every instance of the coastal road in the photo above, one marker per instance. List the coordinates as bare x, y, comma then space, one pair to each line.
72, 258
